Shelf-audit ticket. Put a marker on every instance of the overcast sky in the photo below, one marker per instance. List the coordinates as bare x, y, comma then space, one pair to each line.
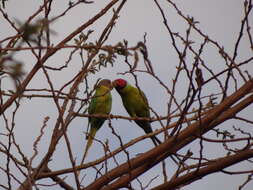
219, 19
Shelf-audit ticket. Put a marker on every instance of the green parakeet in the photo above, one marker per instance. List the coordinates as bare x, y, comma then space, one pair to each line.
101, 103
136, 105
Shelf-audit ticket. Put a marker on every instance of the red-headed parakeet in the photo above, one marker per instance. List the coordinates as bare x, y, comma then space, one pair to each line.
136, 105
101, 103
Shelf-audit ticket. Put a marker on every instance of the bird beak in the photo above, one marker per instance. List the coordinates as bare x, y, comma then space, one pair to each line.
111, 86
114, 84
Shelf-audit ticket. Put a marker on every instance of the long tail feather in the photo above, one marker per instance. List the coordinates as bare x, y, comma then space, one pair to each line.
147, 128
155, 140
91, 136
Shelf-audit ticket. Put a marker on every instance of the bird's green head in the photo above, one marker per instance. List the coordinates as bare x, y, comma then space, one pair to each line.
119, 84
105, 83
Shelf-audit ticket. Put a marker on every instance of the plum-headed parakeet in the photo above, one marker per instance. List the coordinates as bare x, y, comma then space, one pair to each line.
101, 103
136, 105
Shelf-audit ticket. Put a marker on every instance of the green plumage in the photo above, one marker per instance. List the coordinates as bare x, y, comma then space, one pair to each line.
136, 104
101, 103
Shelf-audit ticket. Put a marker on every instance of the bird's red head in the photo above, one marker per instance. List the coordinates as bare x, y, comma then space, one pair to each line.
119, 83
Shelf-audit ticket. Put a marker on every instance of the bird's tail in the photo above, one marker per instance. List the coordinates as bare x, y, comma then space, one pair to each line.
155, 140
90, 137
147, 128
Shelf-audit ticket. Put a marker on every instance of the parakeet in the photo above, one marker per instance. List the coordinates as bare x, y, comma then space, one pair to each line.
101, 103
136, 105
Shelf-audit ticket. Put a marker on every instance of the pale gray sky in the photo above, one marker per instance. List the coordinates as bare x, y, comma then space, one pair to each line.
219, 19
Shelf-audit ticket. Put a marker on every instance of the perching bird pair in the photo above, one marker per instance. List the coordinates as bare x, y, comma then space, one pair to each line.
134, 101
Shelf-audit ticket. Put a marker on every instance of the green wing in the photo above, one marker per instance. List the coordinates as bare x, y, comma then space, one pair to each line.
101, 103
135, 102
